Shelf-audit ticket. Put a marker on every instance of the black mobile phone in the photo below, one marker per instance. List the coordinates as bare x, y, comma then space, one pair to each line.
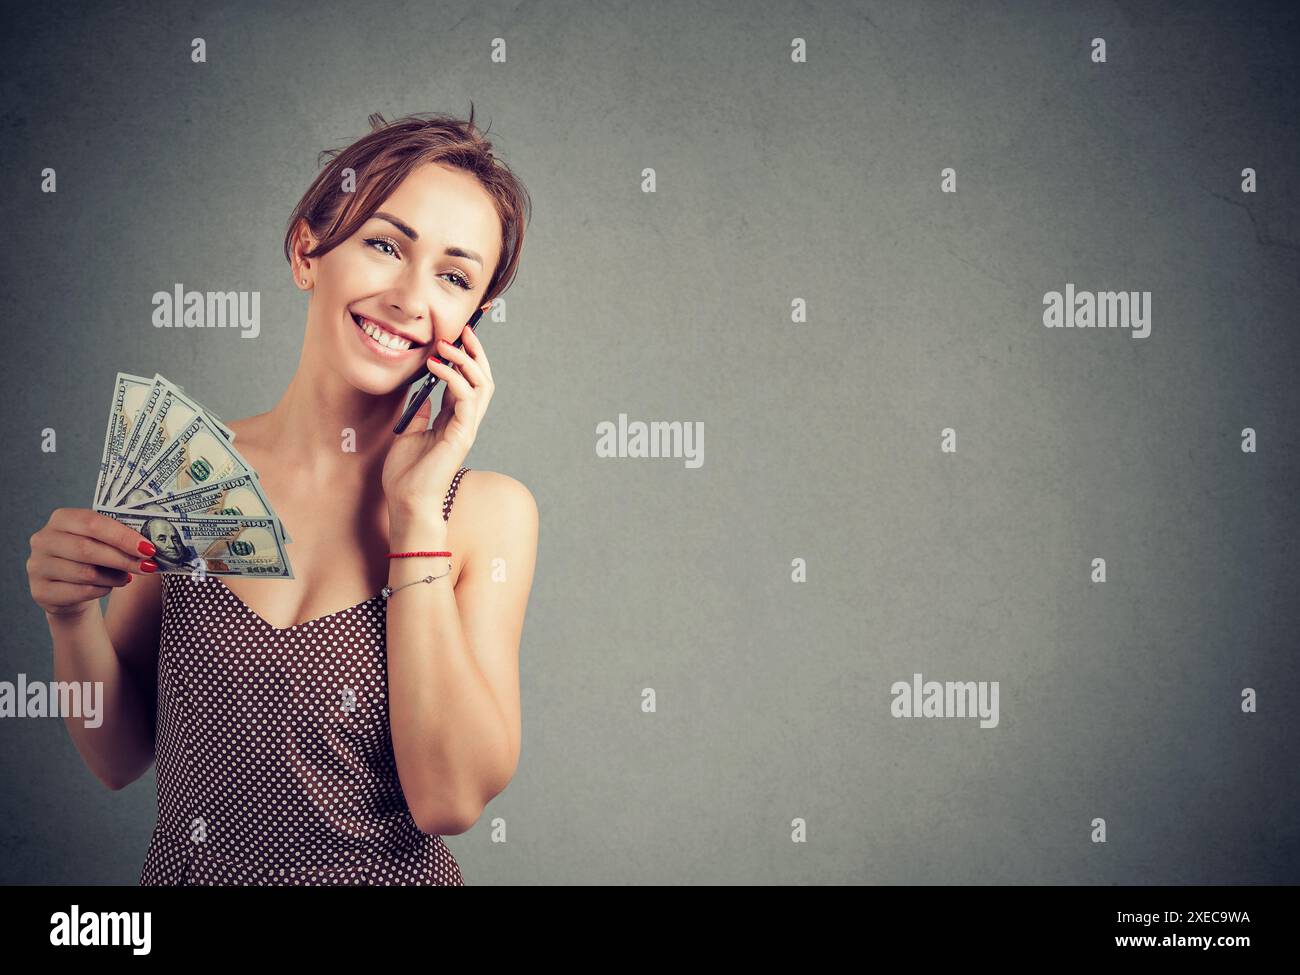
430, 380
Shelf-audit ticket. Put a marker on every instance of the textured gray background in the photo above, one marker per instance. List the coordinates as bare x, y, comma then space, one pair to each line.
775, 180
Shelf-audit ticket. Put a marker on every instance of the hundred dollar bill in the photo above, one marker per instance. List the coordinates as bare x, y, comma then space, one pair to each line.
173, 419
176, 387
199, 545
128, 395
165, 412
135, 421
168, 463
169, 415
199, 454
239, 495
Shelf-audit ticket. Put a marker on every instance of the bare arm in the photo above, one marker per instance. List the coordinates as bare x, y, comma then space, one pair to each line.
75, 559
453, 662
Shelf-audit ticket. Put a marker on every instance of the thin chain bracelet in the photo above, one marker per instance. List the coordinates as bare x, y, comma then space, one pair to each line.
388, 591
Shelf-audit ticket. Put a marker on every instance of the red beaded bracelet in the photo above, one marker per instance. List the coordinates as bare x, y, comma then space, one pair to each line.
407, 555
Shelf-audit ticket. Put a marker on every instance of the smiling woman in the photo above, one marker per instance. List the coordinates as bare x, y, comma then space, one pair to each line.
298, 742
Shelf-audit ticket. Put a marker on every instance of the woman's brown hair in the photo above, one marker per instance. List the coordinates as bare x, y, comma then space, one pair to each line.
382, 159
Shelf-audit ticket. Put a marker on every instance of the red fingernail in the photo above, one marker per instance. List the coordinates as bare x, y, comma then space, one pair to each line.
148, 566
146, 548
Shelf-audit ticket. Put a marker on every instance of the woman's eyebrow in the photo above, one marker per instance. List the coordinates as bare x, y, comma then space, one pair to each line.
410, 232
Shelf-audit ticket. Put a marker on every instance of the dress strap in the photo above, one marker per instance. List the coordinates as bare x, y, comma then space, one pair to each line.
451, 494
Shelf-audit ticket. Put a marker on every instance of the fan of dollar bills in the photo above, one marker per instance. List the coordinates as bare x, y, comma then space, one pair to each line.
170, 471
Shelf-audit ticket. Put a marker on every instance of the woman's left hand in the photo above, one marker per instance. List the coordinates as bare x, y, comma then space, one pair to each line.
421, 463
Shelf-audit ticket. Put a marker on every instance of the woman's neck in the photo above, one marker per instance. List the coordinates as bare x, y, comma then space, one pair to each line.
322, 427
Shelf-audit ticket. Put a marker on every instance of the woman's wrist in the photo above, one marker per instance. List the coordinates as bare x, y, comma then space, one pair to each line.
416, 531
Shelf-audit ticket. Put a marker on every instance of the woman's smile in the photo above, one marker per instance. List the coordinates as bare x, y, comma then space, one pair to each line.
380, 341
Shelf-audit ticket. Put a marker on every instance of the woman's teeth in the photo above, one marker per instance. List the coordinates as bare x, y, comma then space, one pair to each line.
387, 339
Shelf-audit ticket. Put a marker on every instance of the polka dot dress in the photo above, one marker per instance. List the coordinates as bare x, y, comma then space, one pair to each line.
274, 753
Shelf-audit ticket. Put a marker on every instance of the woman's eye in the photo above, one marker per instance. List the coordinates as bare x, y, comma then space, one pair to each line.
461, 280
382, 240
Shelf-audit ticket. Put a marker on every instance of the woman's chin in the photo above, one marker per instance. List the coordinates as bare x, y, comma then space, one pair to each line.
375, 380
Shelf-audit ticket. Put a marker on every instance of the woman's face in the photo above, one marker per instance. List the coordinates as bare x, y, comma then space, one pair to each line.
419, 267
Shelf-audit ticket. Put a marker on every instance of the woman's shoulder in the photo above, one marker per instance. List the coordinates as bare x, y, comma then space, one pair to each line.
497, 506
495, 491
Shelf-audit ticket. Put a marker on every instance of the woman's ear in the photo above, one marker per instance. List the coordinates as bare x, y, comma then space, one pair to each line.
304, 242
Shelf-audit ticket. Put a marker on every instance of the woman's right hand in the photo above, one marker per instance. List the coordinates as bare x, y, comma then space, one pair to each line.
81, 555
